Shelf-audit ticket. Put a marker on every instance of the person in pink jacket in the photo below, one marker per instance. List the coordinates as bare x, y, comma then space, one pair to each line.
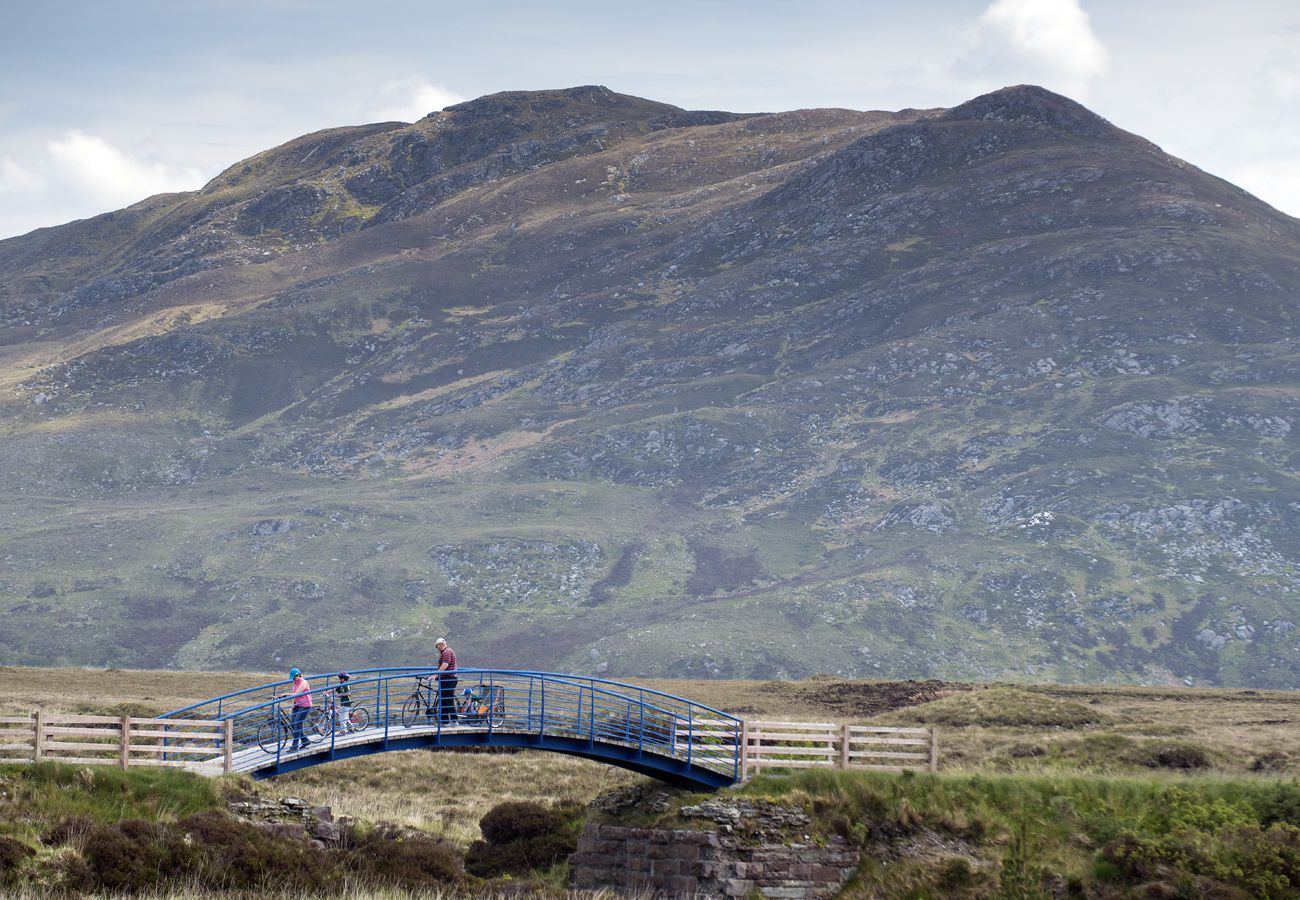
301, 693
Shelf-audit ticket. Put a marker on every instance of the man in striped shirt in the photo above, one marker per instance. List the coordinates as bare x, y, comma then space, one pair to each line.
446, 682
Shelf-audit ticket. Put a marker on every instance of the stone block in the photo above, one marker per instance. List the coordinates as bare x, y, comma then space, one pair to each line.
736, 887
786, 892
327, 832
699, 869
665, 868
680, 885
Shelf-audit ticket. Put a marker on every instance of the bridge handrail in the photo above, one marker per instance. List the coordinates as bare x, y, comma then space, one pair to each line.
568, 680
599, 712
408, 671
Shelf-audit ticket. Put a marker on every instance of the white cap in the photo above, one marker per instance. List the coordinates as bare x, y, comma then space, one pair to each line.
439, 641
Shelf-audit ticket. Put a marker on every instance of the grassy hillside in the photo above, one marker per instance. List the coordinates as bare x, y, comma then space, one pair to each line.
598, 384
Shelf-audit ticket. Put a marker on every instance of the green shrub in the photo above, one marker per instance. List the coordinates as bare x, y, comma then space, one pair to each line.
12, 856
239, 855
1249, 860
523, 837
68, 830
134, 855
408, 860
519, 820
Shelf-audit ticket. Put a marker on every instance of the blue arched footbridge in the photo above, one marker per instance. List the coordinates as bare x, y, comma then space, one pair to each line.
647, 731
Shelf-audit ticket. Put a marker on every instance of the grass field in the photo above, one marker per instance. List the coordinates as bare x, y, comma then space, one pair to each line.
1089, 730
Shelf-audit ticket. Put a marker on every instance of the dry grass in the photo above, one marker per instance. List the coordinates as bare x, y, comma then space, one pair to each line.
349, 890
1237, 732
447, 792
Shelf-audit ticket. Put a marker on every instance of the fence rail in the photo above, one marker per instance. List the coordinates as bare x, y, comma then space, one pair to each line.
581, 709
808, 745
200, 745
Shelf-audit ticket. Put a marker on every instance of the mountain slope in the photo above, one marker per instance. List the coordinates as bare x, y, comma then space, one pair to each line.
593, 382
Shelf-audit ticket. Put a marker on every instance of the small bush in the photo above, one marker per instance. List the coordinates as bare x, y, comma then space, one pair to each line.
68, 830
1271, 762
133, 855
523, 837
1178, 756
519, 820
407, 860
12, 855
519, 857
239, 855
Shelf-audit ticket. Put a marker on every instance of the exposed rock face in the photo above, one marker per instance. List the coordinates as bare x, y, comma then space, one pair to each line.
614, 386
691, 863
290, 817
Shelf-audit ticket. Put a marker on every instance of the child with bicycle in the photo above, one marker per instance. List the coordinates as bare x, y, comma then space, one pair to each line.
341, 705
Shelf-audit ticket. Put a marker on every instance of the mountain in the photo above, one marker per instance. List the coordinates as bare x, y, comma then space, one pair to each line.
591, 383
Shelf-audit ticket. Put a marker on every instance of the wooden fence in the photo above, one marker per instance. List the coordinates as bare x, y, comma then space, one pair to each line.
116, 740
131, 741
805, 745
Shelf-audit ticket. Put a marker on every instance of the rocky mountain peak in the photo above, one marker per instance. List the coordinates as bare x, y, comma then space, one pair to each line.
1028, 103
570, 106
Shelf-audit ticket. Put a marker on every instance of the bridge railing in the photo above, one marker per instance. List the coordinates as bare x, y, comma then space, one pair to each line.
401, 702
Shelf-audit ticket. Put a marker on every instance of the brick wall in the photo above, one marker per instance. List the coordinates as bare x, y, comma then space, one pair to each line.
708, 863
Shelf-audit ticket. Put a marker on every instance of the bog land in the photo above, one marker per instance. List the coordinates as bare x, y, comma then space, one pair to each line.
1043, 791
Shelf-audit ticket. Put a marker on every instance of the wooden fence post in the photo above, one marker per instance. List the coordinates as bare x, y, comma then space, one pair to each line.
228, 745
844, 746
743, 750
126, 741
756, 738
38, 744
934, 750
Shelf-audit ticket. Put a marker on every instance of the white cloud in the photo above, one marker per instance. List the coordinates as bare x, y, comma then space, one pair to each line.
81, 175
109, 176
14, 179
410, 98
1043, 41
1275, 182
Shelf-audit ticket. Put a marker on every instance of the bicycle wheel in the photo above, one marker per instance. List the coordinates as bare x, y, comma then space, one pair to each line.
359, 718
271, 735
498, 714
413, 710
316, 725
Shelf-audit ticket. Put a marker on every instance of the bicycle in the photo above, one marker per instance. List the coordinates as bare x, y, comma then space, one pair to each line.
278, 728
423, 701
358, 717
485, 706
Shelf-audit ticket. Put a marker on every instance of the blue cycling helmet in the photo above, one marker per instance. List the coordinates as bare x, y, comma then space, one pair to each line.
294, 673
467, 692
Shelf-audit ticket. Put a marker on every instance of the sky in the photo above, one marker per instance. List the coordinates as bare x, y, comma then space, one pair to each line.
105, 103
